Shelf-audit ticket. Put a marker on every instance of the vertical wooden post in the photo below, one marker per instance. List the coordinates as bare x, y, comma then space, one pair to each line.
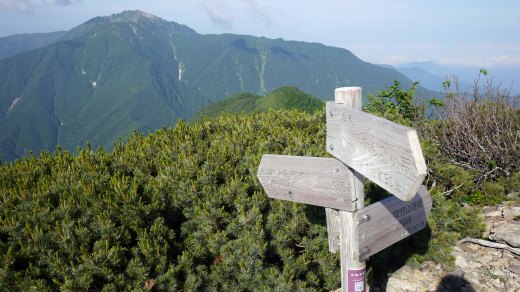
352, 270
333, 229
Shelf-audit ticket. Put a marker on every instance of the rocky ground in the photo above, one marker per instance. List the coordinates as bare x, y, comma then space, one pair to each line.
478, 268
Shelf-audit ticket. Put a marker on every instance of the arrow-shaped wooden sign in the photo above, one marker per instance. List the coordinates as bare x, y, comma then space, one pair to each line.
390, 220
311, 180
387, 153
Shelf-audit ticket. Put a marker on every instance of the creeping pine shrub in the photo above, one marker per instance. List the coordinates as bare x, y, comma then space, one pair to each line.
395, 104
180, 209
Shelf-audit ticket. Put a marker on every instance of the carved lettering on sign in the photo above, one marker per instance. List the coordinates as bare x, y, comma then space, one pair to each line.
406, 220
341, 184
403, 211
412, 229
344, 117
385, 177
379, 151
406, 166
392, 220
365, 142
279, 172
310, 180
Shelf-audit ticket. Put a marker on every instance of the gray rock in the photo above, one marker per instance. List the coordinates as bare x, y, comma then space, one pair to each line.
511, 213
512, 286
497, 283
514, 269
508, 233
497, 214
461, 262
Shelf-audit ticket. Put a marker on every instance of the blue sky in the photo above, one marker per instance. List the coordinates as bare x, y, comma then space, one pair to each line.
460, 32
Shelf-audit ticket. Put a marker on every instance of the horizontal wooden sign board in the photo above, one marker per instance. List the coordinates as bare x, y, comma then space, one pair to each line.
387, 153
390, 220
311, 180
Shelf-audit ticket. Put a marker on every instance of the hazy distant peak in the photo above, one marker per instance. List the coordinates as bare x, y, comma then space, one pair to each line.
129, 16
133, 16
126, 16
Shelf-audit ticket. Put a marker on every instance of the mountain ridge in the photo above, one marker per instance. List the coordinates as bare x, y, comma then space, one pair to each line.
19, 43
130, 71
288, 97
427, 79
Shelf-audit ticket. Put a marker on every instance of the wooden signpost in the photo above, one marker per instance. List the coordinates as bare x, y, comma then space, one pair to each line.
316, 181
391, 220
385, 152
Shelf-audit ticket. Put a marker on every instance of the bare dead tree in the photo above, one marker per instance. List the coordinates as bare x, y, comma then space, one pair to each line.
481, 128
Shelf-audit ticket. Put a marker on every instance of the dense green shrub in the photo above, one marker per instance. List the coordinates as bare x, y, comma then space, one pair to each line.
395, 104
288, 97
181, 209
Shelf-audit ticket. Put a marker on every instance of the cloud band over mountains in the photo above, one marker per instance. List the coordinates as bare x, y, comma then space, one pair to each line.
28, 5
220, 15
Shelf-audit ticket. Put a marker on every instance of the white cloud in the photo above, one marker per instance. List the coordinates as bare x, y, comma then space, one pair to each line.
214, 9
257, 11
23, 5
60, 2
224, 15
28, 5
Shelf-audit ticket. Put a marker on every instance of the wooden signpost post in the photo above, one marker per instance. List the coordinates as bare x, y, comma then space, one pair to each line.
385, 152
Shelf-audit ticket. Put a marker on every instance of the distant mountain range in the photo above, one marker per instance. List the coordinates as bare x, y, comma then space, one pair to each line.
134, 71
427, 80
431, 75
13, 45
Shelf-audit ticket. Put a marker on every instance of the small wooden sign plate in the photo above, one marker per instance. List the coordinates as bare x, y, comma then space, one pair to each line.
316, 181
390, 220
387, 153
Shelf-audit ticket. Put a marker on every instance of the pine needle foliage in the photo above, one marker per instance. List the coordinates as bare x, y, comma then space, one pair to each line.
180, 209
287, 97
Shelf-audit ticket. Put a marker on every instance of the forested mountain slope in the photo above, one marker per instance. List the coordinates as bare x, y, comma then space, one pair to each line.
282, 98
135, 71
19, 43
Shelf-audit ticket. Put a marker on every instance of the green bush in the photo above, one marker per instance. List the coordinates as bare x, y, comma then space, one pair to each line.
395, 104
181, 208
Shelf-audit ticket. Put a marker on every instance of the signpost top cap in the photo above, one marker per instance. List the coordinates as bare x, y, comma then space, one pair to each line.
349, 95
348, 88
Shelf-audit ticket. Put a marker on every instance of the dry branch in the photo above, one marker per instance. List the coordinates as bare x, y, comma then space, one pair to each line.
491, 244
481, 131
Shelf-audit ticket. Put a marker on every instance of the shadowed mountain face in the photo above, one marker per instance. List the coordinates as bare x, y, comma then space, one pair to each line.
18, 43
135, 71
